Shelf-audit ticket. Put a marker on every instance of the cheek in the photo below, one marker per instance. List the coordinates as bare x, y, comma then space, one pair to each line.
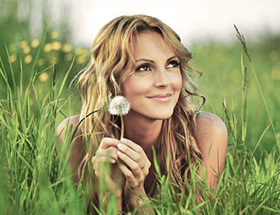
124, 90
130, 88
125, 87
177, 82
177, 87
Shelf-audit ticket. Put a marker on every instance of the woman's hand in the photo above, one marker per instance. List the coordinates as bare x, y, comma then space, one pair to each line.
104, 164
135, 168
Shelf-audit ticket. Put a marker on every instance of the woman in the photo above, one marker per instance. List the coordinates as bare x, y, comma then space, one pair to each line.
143, 59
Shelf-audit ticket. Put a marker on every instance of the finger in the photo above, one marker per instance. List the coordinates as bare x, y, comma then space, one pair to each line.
107, 142
137, 149
129, 176
99, 162
139, 173
132, 154
110, 152
103, 159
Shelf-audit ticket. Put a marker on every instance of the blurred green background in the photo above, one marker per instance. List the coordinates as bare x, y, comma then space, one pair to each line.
22, 33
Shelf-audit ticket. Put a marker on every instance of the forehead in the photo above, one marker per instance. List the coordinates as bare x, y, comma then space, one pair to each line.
151, 44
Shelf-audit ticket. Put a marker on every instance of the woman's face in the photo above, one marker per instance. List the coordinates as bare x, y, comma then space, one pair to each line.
154, 87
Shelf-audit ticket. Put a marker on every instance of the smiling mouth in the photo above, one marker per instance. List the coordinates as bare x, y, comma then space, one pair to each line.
161, 97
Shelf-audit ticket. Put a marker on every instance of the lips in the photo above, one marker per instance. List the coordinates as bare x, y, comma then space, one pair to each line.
161, 97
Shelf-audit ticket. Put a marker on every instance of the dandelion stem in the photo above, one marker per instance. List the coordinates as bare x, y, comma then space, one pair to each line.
122, 127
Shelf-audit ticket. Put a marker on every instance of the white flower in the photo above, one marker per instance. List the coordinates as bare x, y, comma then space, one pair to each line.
119, 105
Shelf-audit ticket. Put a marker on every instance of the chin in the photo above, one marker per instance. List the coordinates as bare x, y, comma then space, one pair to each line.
163, 116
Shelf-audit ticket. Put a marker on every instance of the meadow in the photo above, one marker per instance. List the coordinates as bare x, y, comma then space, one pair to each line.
240, 82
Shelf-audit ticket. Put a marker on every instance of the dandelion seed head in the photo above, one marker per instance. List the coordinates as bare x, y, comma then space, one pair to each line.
119, 105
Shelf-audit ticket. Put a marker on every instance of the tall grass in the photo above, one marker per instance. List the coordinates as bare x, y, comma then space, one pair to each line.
35, 179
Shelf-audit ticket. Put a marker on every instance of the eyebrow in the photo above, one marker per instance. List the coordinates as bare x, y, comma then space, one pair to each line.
151, 61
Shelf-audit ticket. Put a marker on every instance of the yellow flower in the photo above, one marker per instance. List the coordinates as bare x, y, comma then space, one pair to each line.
13, 58
85, 52
275, 73
23, 44
26, 49
67, 48
54, 60
68, 57
48, 47
43, 77
28, 59
273, 55
54, 34
78, 51
35, 43
56, 45
41, 62
81, 60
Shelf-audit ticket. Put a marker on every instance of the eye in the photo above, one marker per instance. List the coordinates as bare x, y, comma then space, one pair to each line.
143, 68
173, 64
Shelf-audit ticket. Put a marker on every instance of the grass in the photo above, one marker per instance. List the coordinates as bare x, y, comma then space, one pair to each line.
36, 180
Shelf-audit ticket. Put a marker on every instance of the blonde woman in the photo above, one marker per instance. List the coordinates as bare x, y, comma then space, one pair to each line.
142, 59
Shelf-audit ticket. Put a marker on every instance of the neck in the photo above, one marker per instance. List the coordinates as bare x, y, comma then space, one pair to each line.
145, 132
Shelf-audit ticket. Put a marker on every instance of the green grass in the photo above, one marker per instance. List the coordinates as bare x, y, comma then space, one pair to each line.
222, 80
35, 179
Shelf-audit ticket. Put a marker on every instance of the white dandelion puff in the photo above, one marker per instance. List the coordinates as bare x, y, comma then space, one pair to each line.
119, 105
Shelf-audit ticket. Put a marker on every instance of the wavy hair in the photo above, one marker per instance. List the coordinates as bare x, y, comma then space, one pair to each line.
111, 54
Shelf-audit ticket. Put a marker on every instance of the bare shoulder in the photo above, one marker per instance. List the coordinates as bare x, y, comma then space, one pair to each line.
71, 121
209, 122
211, 131
212, 140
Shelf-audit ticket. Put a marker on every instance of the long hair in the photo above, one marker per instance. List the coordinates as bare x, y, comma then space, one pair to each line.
111, 54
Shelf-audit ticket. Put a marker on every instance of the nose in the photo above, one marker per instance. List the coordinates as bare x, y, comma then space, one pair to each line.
161, 78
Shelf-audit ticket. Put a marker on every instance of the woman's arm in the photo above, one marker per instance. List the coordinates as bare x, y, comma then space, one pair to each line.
212, 139
77, 151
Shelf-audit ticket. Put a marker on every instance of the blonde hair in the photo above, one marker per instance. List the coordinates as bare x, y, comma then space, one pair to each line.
112, 53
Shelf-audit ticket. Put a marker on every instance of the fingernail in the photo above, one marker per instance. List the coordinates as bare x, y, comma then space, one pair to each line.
122, 140
113, 161
119, 153
120, 145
